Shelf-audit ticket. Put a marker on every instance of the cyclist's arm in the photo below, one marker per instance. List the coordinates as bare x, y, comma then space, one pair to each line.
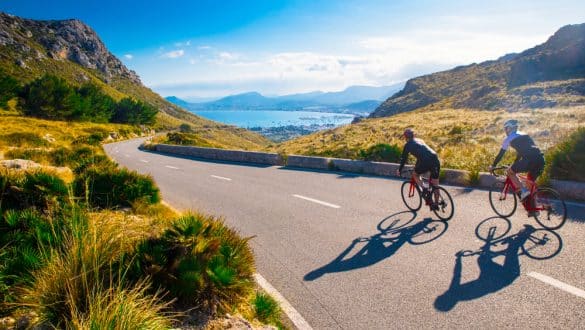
499, 157
403, 157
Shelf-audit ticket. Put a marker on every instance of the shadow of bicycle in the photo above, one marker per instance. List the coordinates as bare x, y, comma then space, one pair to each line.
534, 243
393, 232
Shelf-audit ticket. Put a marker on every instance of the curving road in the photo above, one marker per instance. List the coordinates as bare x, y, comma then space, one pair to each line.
342, 249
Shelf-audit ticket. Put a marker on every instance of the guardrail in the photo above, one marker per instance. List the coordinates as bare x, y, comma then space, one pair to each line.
569, 189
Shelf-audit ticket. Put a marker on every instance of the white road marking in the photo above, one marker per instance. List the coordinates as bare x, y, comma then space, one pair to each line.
144, 161
317, 201
558, 284
221, 178
169, 166
290, 311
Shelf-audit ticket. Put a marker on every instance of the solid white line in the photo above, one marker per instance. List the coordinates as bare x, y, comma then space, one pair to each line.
169, 166
317, 201
221, 178
290, 311
144, 161
558, 284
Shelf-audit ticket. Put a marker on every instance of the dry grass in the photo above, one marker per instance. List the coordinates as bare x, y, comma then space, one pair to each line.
464, 139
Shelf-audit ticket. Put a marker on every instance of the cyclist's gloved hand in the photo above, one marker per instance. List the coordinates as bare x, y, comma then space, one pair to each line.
398, 173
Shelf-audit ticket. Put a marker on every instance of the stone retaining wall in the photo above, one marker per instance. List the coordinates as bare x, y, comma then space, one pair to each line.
569, 189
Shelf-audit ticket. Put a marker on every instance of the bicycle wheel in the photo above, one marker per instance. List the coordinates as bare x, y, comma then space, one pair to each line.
542, 244
551, 212
504, 204
411, 198
446, 206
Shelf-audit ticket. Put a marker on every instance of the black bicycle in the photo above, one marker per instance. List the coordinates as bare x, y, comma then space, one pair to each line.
437, 198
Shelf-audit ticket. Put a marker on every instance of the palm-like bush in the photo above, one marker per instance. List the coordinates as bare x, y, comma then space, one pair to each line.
199, 261
106, 186
38, 189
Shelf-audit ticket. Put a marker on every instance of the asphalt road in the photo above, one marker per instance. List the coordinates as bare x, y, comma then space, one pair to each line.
344, 251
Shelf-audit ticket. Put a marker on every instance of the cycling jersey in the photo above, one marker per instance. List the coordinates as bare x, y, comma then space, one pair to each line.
529, 158
426, 158
522, 143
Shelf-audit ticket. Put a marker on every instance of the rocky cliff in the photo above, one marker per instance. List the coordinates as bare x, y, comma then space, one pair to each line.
548, 75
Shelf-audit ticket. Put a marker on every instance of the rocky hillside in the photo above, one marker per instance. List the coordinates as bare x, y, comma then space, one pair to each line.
72, 50
548, 75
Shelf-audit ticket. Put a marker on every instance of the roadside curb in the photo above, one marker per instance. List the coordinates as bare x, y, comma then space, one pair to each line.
568, 189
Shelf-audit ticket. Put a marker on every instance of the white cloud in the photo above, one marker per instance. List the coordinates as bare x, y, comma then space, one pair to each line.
129, 56
174, 54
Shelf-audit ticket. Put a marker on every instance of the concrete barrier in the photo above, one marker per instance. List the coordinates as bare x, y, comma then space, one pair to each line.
455, 177
223, 154
320, 163
567, 189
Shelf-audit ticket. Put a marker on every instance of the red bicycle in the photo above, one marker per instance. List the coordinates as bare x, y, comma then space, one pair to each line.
437, 196
544, 204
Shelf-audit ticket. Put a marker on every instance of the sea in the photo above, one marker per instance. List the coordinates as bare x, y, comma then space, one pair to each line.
270, 119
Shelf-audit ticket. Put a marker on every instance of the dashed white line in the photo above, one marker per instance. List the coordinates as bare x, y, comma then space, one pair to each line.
221, 178
317, 201
144, 161
558, 284
290, 311
169, 166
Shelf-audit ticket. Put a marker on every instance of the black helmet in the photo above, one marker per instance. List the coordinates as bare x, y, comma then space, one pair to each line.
408, 133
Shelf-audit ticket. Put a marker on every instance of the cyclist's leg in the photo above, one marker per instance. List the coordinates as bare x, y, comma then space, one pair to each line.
418, 170
536, 169
521, 165
435, 169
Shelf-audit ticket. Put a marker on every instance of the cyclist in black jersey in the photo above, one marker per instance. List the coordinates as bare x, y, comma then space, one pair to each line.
528, 157
426, 161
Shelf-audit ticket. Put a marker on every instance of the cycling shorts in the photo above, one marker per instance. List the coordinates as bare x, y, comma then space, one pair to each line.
534, 165
428, 165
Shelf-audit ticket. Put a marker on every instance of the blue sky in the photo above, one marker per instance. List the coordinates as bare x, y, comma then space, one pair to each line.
204, 49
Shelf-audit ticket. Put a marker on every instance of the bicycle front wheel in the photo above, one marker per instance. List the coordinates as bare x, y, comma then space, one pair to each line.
504, 203
446, 208
550, 210
411, 196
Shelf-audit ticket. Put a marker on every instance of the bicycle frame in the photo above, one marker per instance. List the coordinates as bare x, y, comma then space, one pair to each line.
527, 203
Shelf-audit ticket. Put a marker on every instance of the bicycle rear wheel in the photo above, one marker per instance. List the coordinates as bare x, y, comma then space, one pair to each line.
551, 211
445, 204
411, 196
504, 204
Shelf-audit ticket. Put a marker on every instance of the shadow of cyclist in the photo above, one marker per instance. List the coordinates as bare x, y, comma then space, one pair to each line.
493, 276
380, 246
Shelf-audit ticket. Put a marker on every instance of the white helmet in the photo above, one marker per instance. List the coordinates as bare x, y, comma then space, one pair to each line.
511, 123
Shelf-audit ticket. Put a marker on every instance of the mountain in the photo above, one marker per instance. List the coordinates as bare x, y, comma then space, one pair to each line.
73, 51
548, 75
345, 101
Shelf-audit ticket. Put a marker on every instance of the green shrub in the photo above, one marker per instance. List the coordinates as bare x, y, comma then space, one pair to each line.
381, 152
105, 186
199, 261
185, 128
9, 88
566, 161
24, 139
133, 112
38, 189
94, 139
27, 236
266, 309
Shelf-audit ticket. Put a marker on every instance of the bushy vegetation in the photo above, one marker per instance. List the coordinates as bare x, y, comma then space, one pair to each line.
38, 190
566, 161
107, 186
267, 309
199, 261
51, 97
381, 152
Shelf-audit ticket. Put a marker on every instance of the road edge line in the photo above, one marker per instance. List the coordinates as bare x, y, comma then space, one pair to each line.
558, 284
295, 317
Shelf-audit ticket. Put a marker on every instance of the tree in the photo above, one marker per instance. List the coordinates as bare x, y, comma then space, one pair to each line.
94, 105
49, 97
9, 88
134, 112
